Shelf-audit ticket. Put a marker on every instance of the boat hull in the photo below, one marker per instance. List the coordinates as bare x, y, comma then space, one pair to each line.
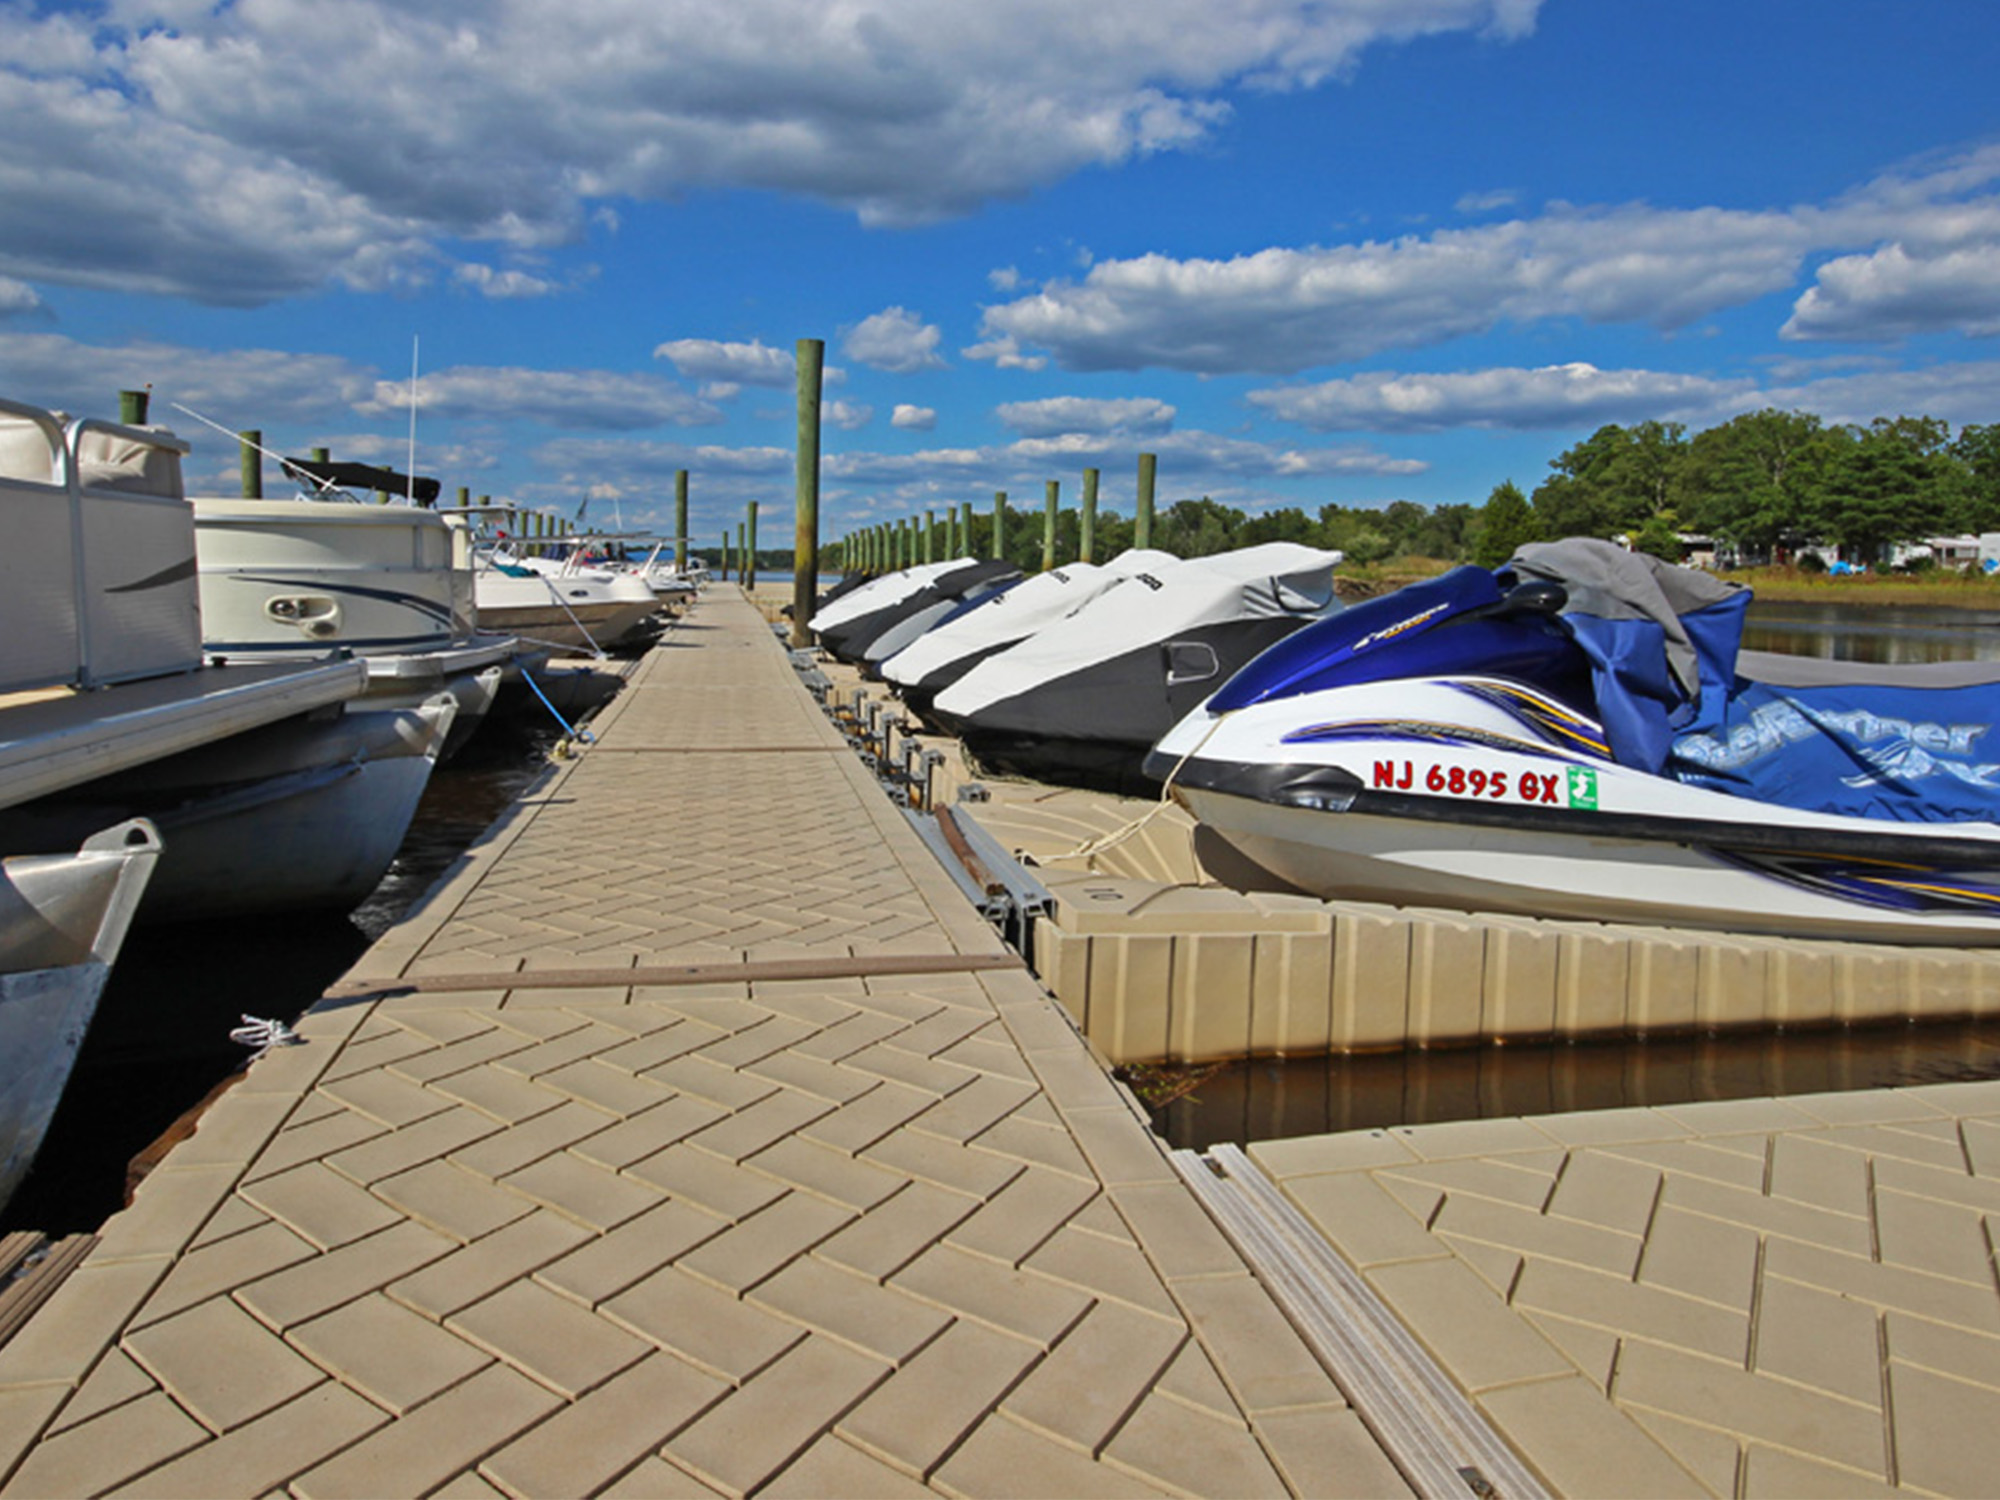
63, 919
299, 816
1482, 796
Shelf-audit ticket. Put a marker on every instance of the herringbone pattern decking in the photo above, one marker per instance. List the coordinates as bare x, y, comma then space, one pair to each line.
871, 1235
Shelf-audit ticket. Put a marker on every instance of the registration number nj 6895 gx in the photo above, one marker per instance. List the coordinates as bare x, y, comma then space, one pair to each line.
1574, 786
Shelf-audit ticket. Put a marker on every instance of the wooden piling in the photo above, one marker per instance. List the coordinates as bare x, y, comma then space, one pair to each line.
1053, 499
1142, 524
999, 524
680, 520
810, 358
1087, 519
250, 442
750, 544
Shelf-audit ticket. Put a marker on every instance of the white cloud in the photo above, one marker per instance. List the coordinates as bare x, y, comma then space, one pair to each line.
225, 152
1556, 396
502, 285
1004, 279
896, 340
1058, 415
1006, 355
1282, 310
1488, 202
753, 363
848, 416
603, 399
1893, 293
914, 418
1580, 396
18, 299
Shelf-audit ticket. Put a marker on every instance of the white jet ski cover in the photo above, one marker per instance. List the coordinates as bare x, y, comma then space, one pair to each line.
1200, 600
880, 593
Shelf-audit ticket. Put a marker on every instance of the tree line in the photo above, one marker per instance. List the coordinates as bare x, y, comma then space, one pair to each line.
1761, 485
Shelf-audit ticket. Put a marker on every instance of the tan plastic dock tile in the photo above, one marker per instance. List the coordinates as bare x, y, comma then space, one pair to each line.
1634, 1309
881, 1322
897, 1230
758, 1429
1030, 1307
582, 1190
1472, 1333
1718, 1395
102, 1455
1022, 1216
221, 1364
708, 1182
304, 1291
739, 1258
212, 1269
608, 1264
548, 1337
922, 1411
708, 1327
461, 1277
1095, 1376
322, 1206
1193, 1452
833, 1470
1326, 1451
587, 1444
391, 1355
434, 1442
531, 1140
259, 1457
1581, 1445
1005, 1461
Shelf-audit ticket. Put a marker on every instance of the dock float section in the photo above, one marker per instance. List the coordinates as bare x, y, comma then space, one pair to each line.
696, 1136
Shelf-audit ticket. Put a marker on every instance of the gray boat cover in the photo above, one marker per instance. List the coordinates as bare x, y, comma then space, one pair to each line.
998, 620
1107, 670
880, 593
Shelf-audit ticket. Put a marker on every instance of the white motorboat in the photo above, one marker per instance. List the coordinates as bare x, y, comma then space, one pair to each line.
1087, 695
63, 919
559, 605
275, 794
1577, 736
301, 815
393, 584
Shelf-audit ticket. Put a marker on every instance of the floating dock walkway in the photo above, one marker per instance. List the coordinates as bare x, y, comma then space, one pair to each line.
696, 1136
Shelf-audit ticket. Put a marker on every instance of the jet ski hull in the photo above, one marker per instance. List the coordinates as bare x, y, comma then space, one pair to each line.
1441, 793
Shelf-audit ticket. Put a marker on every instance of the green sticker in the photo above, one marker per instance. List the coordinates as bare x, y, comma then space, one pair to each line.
1583, 787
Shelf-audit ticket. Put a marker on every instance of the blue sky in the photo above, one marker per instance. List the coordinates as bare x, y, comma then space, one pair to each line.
1303, 250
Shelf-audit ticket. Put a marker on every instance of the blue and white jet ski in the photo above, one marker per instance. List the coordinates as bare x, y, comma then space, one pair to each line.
1577, 735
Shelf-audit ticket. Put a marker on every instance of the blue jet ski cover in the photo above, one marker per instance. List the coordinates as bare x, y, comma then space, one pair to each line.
1662, 643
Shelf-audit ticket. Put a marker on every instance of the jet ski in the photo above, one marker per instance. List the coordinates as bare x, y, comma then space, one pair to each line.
1083, 698
1577, 734
977, 629
907, 601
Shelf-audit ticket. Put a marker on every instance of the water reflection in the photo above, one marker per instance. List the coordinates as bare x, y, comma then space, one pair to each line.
1879, 633
1269, 1099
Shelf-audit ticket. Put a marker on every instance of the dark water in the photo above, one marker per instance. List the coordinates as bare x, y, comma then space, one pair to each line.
1269, 1099
160, 1041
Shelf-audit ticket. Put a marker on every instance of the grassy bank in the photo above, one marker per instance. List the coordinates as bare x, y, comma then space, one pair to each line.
1943, 587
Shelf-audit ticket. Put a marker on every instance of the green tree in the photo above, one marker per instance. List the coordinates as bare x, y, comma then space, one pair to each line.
1976, 452
1505, 522
1759, 478
1891, 483
1197, 528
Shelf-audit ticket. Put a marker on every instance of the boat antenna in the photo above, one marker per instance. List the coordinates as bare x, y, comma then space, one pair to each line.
326, 486
411, 473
